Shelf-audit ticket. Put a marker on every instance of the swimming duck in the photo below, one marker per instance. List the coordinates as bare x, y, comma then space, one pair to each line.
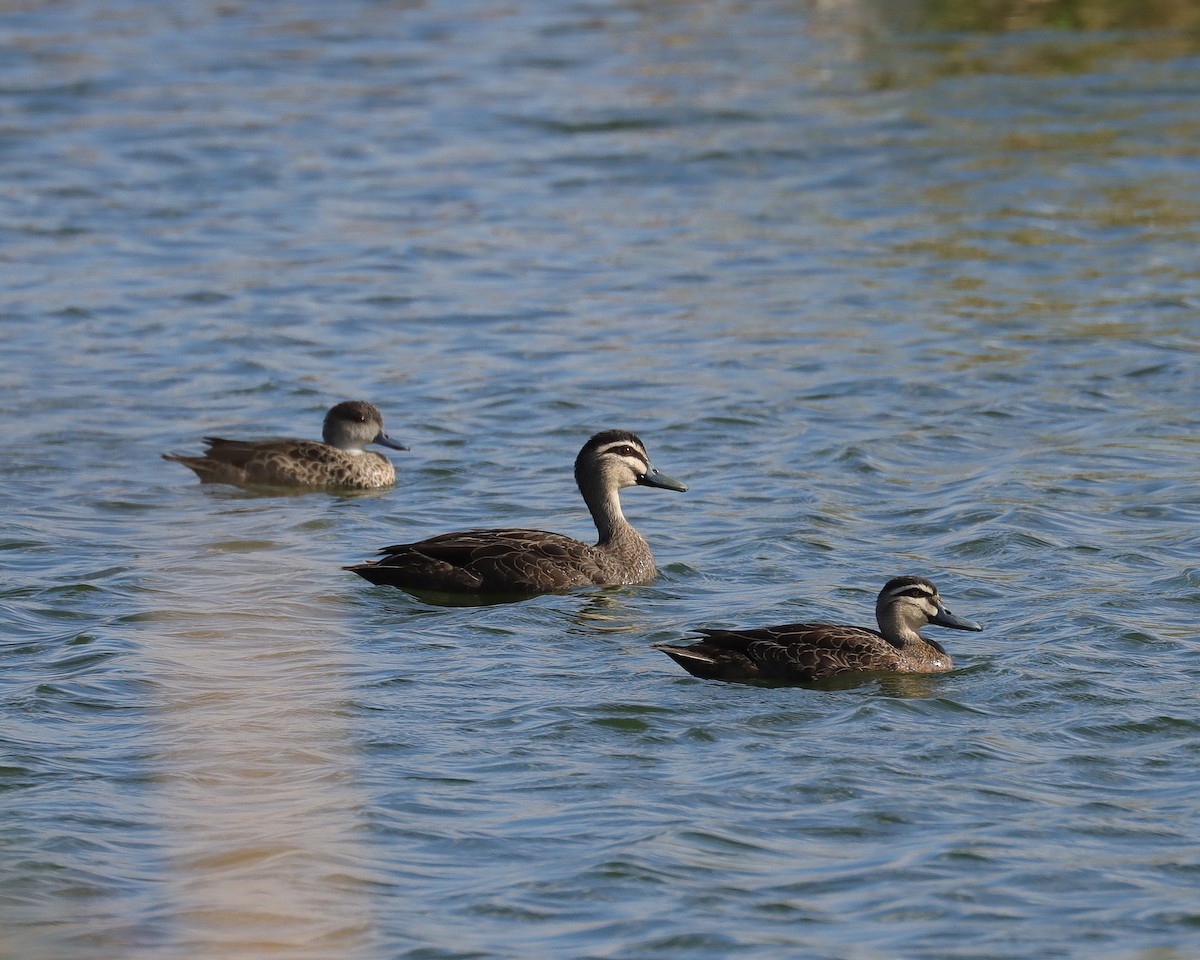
804, 652
338, 461
530, 562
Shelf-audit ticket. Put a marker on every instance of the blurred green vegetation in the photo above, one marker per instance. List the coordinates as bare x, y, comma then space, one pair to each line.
953, 38
1003, 15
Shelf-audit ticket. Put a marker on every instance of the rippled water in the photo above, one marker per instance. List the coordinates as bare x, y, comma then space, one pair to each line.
888, 302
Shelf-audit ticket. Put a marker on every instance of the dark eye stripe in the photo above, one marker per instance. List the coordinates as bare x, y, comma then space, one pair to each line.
914, 592
625, 450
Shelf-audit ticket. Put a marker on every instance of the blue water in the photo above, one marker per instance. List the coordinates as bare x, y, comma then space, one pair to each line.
887, 302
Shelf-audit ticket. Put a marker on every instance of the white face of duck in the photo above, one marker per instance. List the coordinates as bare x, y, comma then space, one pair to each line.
914, 602
622, 461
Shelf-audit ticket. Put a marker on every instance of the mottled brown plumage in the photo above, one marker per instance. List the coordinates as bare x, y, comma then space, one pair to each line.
804, 652
527, 562
339, 461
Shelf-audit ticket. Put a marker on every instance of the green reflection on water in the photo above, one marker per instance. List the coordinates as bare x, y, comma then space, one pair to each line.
1002, 15
953, 38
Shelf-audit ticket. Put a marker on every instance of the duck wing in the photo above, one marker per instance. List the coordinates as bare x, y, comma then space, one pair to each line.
799, 652
242, 461
486, 561
245, 453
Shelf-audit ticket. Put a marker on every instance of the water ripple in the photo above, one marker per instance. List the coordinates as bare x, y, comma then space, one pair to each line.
888, 300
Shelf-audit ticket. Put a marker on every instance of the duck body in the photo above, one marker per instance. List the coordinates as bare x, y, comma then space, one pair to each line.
529, 562
508, 561
807, 652
338, 460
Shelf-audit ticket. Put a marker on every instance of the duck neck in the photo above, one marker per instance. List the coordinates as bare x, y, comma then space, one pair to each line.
902, 635
605, 507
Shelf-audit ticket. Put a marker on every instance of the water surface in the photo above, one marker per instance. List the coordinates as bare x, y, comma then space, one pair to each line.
889, 298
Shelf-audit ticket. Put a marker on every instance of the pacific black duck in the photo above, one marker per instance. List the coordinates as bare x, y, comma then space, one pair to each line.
338, 461
529, 562
804, 652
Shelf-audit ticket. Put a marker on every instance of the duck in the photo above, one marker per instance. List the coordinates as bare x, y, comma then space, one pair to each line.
531, 562
807, 652
337, 460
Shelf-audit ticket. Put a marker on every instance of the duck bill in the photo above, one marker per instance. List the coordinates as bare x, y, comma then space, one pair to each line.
652, 478
385, 441
945, 618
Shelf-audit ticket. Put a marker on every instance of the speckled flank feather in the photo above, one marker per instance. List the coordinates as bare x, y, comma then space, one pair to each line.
511, 561
305, 463
804, 652
338, 461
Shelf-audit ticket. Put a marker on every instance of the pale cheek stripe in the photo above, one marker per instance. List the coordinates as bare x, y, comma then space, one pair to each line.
642, 464
904, 592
